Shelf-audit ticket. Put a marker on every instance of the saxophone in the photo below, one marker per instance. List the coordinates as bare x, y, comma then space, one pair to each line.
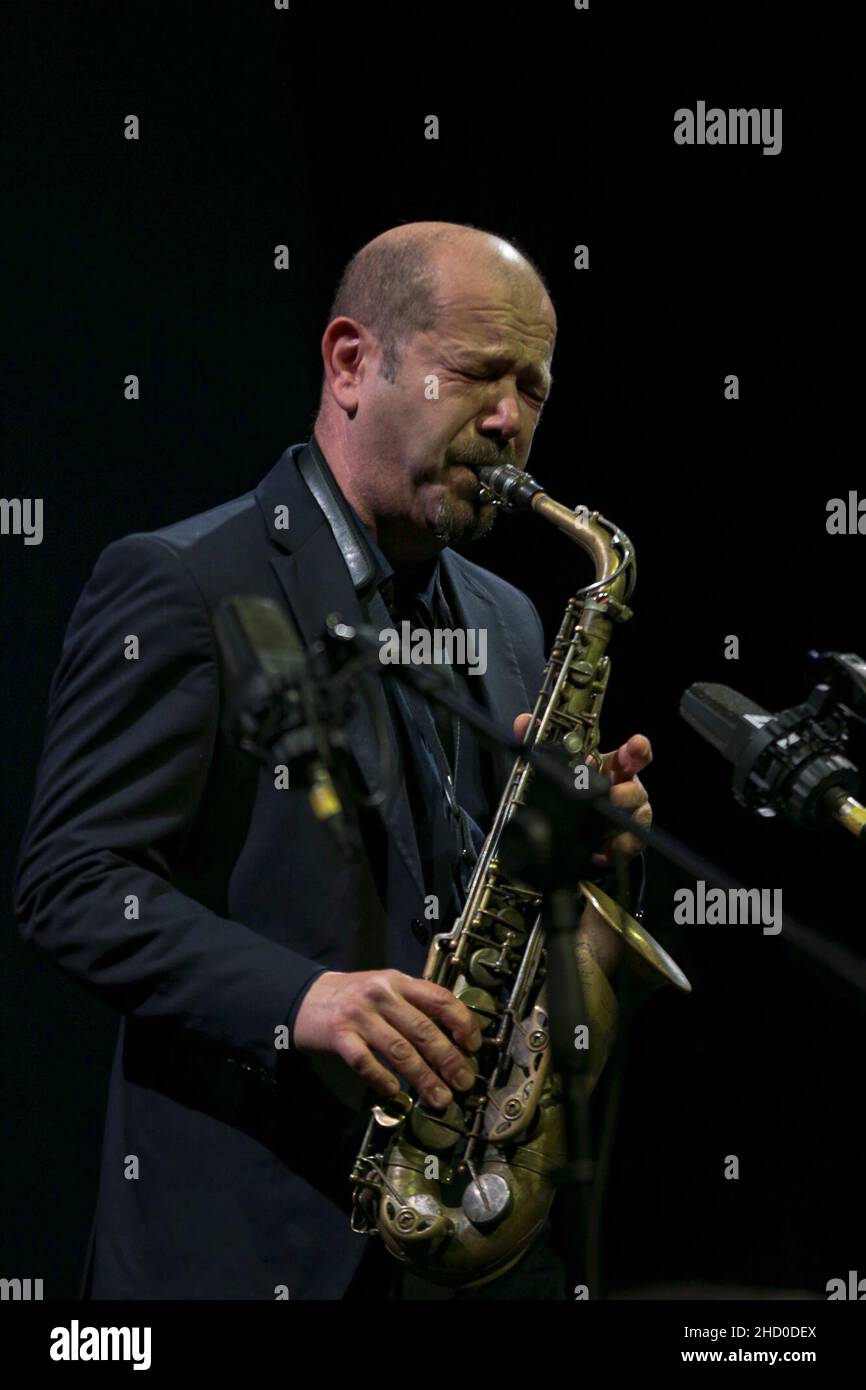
460, 1194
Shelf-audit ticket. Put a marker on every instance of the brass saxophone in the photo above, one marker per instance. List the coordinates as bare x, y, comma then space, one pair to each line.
461, 1194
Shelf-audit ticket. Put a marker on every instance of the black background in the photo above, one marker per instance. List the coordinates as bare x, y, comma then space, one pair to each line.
156, 257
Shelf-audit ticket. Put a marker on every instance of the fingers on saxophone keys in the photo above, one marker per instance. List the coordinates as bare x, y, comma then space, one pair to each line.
629, 796
625, 846
448, 1062
452, 1016
357, 1055
398, 1052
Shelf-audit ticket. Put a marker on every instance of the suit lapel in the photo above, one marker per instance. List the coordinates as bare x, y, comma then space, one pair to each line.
316, 582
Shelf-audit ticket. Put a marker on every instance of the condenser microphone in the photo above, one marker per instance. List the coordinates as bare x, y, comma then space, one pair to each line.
275, 706
787, 763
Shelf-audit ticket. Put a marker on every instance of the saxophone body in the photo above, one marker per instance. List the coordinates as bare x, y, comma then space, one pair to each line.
461, 1194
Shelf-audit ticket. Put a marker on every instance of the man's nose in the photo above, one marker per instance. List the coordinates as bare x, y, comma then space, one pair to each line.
504, 420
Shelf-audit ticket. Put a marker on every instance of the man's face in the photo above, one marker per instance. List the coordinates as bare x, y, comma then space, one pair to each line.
468, 393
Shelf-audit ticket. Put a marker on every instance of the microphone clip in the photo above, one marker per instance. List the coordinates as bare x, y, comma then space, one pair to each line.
795, 758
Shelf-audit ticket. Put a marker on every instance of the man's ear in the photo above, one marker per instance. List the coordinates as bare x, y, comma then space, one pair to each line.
344, 345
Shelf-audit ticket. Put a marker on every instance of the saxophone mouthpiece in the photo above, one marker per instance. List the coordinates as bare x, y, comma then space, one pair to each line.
509, 487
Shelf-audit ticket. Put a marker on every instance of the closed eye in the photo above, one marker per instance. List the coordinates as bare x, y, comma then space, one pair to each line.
491, 376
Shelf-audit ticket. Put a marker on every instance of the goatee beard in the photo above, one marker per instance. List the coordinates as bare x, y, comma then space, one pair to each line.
448, 530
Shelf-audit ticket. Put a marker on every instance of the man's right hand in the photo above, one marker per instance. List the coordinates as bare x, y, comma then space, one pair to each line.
358, 1013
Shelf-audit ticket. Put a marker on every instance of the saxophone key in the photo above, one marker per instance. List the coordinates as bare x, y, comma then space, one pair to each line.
480, 1003
436, 1132
485, 966
509, 922
486, 1200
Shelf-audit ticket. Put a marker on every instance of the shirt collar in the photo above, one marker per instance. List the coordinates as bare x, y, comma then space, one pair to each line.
411, 583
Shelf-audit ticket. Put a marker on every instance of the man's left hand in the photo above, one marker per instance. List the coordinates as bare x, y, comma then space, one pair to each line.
627, 791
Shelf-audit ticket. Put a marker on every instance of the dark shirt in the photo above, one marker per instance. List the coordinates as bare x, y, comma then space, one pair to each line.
444, 760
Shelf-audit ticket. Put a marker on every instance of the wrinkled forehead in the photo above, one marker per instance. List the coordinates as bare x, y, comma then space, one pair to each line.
494, 306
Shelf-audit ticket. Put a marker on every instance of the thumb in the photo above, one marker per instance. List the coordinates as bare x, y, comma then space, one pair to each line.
521, 724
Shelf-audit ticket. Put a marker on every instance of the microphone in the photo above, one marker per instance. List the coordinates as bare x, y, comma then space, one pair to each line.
275, 709
787, 762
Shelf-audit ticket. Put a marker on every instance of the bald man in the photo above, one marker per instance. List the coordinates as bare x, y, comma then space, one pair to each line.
179, 883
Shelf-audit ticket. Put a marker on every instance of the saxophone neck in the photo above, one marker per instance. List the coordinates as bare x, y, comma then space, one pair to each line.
610, 550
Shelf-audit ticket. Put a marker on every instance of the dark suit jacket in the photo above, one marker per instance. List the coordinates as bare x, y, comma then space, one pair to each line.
161, 868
